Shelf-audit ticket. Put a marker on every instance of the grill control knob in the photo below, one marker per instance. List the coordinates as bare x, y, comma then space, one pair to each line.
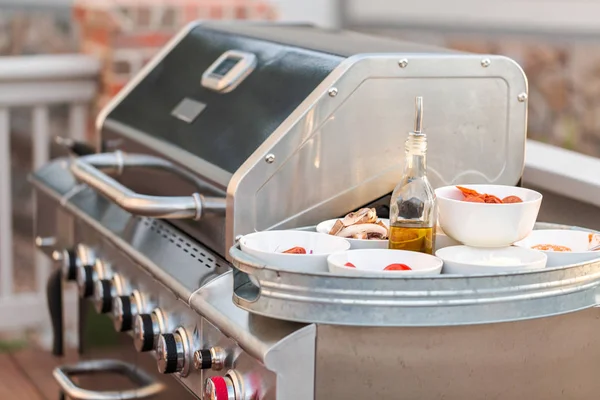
219, 388
103, 295
213, 358
170, 353
173, 352
146, 329
86, 277
123, 309
67, 259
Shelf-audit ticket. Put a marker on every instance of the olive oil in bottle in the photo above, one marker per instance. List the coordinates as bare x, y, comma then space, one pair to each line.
413, 209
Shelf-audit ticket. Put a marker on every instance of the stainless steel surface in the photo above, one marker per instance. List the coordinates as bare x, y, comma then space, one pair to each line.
481, 119
424, 301
148, 387
88, 170
545, 358
173, 258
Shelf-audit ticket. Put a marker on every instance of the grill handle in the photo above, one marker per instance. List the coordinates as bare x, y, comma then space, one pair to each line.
148, 387
91, 170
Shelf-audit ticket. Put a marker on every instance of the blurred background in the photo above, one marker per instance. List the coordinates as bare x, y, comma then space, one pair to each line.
61, 61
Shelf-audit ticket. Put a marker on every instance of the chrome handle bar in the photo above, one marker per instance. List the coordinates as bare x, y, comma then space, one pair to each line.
89, 169
148, 387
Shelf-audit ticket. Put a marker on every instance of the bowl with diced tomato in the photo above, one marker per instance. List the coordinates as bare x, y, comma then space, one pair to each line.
487, 215
293, 250
383, 263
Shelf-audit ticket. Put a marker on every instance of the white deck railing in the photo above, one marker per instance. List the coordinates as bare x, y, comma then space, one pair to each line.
36, 82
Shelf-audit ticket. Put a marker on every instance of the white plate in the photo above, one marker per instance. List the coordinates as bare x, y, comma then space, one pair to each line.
268, 246
371, 263
487, 225
577, 241
465, 260
325, 227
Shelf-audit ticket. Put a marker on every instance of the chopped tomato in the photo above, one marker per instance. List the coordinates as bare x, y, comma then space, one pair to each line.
296, 250
397, 267
512, 199
349, 264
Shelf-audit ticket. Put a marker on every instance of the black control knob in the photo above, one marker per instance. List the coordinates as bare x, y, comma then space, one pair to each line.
104, 293
213, 358
86, 277
170, 353
146, 330
124, 310
68, 262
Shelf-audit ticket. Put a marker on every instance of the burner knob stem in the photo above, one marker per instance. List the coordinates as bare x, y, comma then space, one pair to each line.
123, 309
213, 358
86, 277
170, 353
219, 388
103, 296
146, 329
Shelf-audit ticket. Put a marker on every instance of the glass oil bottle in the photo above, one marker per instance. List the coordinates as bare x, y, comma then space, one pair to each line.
413, 211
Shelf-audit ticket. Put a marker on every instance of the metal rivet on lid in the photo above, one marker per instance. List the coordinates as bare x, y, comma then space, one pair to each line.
269, 158
522, 97
403, 63
486, 62
333, 92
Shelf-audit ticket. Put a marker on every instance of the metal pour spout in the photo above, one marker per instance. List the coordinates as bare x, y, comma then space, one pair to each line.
418, 115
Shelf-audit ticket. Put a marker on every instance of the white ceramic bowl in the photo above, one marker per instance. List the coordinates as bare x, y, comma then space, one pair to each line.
465, 260
371, 263
268, 246
487, 225
577, 241
325, 227
442, 240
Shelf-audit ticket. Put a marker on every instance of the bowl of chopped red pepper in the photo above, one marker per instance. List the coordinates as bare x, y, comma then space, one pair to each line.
293, 250
487, 215
383, 263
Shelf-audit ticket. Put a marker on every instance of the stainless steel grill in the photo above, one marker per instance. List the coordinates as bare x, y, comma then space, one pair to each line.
234, 128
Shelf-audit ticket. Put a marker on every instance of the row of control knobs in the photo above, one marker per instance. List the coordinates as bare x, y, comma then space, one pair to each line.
109, 293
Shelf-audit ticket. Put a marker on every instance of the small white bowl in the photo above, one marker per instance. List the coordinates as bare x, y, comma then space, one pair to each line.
325, 227
371, 263
487, 225
577, 241
465, 260
268, 246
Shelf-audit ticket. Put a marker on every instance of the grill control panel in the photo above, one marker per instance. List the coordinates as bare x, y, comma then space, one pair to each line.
183, 344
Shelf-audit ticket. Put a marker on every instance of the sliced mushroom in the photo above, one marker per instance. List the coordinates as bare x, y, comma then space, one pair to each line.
362, 216
337, 227
361, 231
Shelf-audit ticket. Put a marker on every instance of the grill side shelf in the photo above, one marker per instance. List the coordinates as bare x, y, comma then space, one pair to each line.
440, 300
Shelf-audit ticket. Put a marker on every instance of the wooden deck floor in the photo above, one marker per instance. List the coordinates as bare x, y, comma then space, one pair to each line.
27, 375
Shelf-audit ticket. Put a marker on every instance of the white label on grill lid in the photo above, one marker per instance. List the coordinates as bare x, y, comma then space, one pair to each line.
188, 110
